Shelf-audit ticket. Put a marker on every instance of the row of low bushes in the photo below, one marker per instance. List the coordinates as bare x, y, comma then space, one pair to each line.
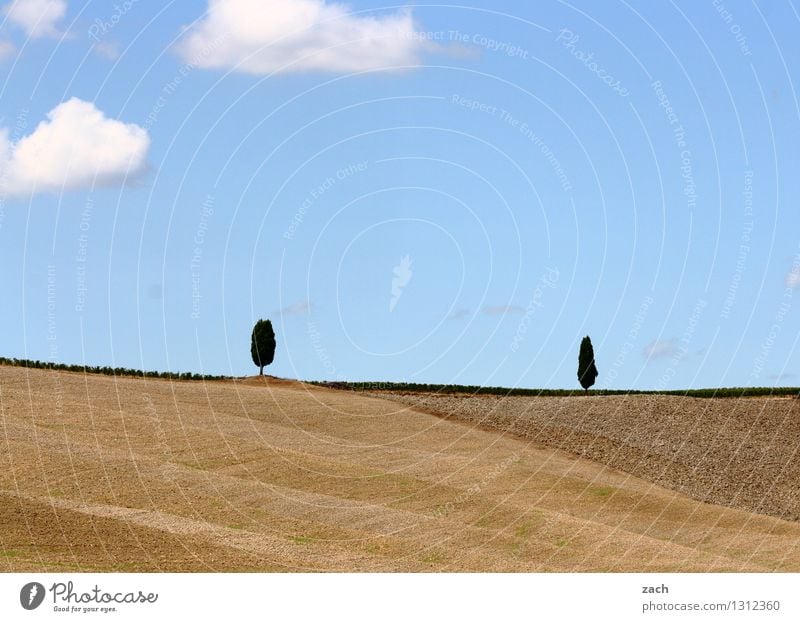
414, 387
479, 390
108, 371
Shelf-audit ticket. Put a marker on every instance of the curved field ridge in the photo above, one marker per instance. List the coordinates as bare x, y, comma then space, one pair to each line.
138, 474
742, 453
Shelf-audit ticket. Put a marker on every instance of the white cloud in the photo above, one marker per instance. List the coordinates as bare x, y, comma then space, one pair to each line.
106, 49
38, 18
77, 146
262, 36
793, 278
661, 349
7, 50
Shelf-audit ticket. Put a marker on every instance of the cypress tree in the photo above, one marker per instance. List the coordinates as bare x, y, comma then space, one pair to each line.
262, 345
587, 371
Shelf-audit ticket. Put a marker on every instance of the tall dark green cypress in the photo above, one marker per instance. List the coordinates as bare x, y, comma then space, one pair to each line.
587, 371
262, 345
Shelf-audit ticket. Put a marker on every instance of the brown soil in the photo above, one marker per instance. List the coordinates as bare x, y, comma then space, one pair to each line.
127, 474
742, 453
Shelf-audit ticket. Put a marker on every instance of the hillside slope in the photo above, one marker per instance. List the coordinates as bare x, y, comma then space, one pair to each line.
742, 453
129, 474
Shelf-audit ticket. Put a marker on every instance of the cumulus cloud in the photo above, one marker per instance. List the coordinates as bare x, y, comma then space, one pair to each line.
7, 50
76, 146
503, 310
264, 36
38, 18
661, 349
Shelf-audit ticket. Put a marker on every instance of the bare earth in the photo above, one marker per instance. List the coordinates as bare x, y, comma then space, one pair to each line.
104, 474
742, 453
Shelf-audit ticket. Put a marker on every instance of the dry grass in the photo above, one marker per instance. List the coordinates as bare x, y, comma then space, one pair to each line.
742, 453
130, 474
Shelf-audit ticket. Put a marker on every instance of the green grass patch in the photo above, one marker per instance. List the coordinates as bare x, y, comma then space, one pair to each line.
433, 558
524, 530
602, 491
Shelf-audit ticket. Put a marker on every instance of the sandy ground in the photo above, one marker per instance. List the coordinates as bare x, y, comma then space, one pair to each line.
104, 474
742, 453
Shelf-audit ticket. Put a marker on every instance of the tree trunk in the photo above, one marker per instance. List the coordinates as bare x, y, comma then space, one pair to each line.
587, 392
261, 371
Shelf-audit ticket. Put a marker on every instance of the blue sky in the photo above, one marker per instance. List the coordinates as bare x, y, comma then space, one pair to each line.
411, 193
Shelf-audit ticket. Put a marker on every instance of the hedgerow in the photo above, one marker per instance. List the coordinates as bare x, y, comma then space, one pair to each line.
404, 387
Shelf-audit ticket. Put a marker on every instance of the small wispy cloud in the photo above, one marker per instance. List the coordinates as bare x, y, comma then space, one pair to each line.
661, 349
106, 49
459, 314
7, 50
298, 308
503, 310
781, 377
